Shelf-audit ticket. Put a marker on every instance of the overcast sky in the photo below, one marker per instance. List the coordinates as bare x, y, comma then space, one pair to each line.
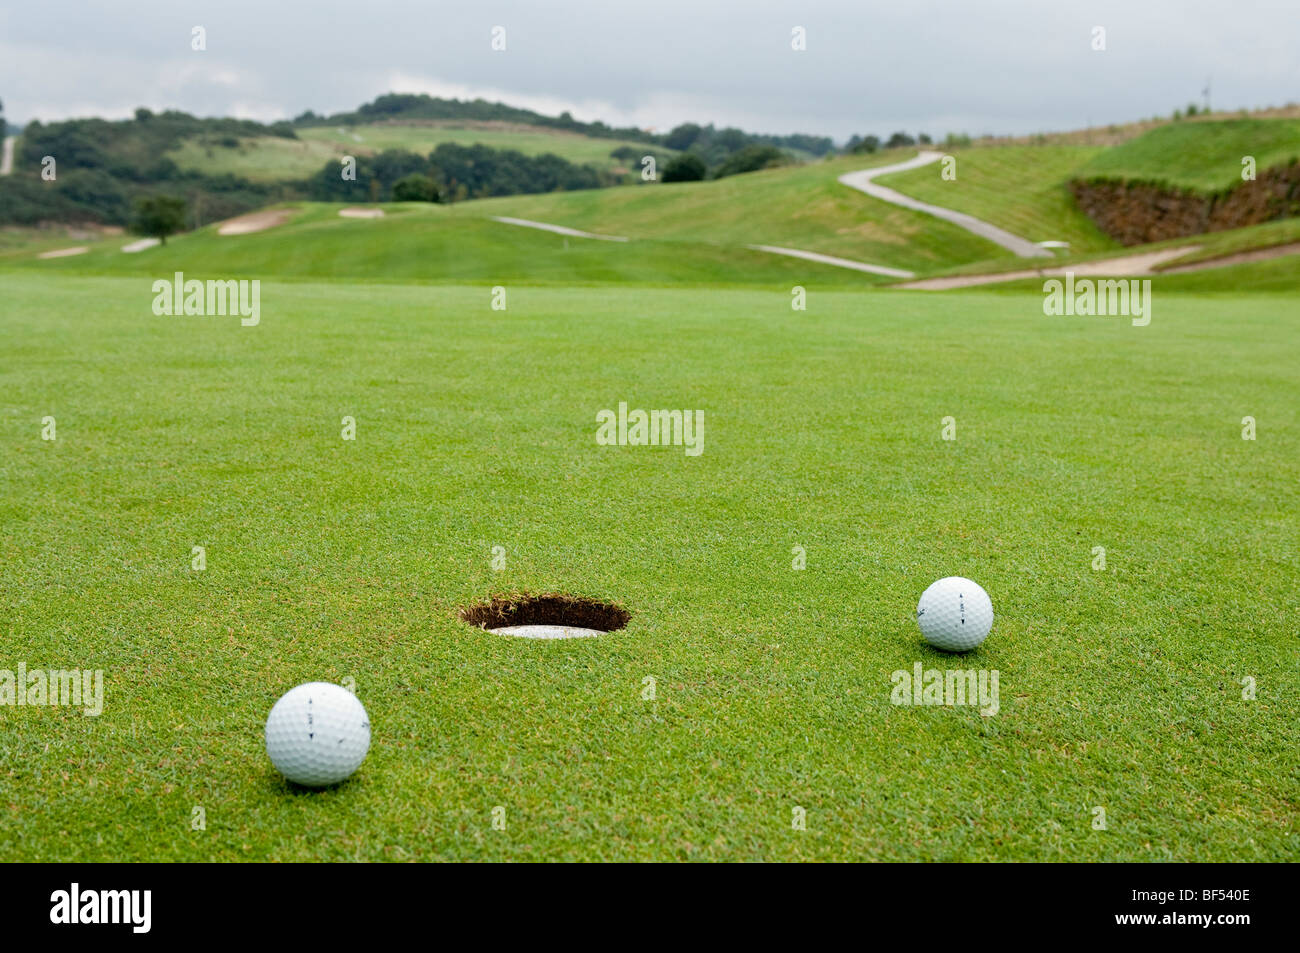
1000, 66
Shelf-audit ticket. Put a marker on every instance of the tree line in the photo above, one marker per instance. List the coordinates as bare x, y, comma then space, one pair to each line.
706, 141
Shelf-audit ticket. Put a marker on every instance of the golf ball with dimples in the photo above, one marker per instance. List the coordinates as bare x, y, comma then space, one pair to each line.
954, 614
317, 734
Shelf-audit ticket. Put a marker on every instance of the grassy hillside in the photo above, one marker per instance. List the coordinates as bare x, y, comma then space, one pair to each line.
423, 243
1205, 156
530, 140
682, 232
261, 159
268, 159
1019, 188
801, 207
330, 560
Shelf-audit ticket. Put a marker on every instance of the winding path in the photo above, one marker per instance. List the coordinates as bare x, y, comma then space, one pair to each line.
837, 262
557, 229
861, 181
1143, 263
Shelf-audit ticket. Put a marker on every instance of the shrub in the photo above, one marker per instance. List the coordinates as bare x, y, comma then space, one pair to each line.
158, 216
683, 136
484, 171
415, 188
751, 159
685, 168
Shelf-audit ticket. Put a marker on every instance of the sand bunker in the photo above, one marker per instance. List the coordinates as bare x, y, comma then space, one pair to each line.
254, 222
361, 212
64, 252
141, 245
1239, 258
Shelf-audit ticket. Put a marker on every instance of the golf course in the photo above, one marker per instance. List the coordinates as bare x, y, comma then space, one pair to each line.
212, 510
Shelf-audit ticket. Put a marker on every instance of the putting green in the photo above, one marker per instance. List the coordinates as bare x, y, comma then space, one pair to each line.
745, 697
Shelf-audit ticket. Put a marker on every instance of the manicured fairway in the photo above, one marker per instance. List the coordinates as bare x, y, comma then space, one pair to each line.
435, 243
332, 559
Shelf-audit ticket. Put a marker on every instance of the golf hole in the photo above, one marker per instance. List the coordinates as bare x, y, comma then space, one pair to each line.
548, 616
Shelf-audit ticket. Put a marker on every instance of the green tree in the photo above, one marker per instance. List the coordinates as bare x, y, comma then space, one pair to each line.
158, 216
685, 168
415, 188
683, 136
751, 159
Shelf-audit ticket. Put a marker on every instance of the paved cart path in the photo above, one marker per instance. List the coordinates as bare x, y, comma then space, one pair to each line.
837, 262
862, 181
557, 229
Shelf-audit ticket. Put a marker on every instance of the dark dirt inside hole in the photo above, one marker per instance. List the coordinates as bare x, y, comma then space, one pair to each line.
547, 609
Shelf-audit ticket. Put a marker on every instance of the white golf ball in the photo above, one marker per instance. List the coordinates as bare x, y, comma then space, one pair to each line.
955, 614
317, 734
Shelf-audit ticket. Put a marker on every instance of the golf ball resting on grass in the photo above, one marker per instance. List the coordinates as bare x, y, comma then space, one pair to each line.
955, 614
317, 734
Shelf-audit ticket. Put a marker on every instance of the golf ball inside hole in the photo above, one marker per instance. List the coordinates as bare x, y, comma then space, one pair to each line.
317, 734
955, 614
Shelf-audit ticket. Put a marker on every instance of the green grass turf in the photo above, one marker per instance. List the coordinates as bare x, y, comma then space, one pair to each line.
330, 559
1276, 276
424, 138
419, 243
801, 207
261, 159
683, 234
1218, 244
274, 159
1212, 245
433, 243
691, 232
1019, 188
1204, 156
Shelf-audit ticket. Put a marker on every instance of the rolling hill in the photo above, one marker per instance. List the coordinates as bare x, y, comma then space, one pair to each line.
272, 159
681, 232
349, 469
694, 233
1020, 188
1204, 156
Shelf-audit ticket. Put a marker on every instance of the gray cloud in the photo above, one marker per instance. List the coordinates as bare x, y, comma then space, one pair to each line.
1012, 66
